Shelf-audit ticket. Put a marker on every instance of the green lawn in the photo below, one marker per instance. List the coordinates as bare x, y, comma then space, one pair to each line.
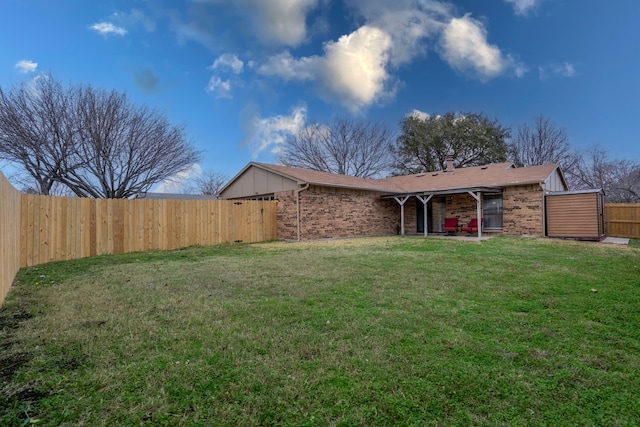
384, 331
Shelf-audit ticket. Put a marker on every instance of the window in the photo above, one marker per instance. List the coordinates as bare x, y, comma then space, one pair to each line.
492, 211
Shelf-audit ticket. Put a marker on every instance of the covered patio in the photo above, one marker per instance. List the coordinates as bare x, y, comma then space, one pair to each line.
425, 196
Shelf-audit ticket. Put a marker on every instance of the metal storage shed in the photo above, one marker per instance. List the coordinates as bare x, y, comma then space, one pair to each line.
575, 215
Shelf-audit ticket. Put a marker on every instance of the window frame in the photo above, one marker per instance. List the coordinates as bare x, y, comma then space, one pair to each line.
500, 213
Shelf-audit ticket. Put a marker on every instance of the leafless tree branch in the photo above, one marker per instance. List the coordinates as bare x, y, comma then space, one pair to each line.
95, 142
207, 184
347, 147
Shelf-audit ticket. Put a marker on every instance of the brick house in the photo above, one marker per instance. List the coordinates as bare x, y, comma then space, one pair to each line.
315, 205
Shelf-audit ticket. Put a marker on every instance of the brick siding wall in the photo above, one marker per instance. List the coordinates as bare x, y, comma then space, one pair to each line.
461, 206
330, 212
287, 215
523, 210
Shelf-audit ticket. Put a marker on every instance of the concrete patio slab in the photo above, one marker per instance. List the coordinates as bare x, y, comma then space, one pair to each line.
616, 240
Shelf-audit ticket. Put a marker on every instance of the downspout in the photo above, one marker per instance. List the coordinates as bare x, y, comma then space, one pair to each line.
298, 191
544, 210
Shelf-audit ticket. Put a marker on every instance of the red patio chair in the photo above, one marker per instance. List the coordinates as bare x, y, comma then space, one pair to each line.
450, 225
472, 227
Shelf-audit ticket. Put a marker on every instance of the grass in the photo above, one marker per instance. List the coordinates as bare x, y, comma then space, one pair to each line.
385, 331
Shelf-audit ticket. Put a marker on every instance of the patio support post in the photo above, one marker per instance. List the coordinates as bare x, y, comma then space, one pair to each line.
478, 212
424, 204
402, 201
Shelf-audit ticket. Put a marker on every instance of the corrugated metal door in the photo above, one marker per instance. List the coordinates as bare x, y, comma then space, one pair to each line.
575, 215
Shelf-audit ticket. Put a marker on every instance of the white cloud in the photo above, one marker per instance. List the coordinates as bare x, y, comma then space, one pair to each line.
227, 64
352, 71
409, 23
523, 7
107, 28
177, 182
219, 88
413, 25
519, 68
279, 22
465, 47
355, 67
563, 69
25, 66
271, 132
228, 61
357, 70
287, 67
32, 85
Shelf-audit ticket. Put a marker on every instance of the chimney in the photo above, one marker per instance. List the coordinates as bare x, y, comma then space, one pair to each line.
450, 167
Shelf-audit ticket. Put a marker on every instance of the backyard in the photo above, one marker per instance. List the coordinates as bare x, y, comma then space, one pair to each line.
375, 331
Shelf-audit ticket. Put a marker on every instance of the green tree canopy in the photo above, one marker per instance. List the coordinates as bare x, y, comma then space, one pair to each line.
425, 142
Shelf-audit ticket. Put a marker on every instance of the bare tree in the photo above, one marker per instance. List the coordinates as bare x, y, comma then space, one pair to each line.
95, 142
626, 189
543, 143
38, 130
207, 184
620, 179
347, 147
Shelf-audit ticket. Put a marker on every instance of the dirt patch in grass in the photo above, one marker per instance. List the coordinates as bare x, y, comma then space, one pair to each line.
12, 320
10, 361
16, 398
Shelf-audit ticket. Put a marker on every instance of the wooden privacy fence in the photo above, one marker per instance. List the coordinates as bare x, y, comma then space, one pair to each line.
9, 235
623, 220
62, 228
37, 229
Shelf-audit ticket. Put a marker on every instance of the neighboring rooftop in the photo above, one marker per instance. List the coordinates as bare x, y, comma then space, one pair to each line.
178, 196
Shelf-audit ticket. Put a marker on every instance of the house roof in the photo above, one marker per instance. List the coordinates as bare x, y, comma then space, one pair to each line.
492, 175
308, 176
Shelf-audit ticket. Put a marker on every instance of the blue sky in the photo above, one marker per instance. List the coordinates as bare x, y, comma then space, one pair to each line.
241, 74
